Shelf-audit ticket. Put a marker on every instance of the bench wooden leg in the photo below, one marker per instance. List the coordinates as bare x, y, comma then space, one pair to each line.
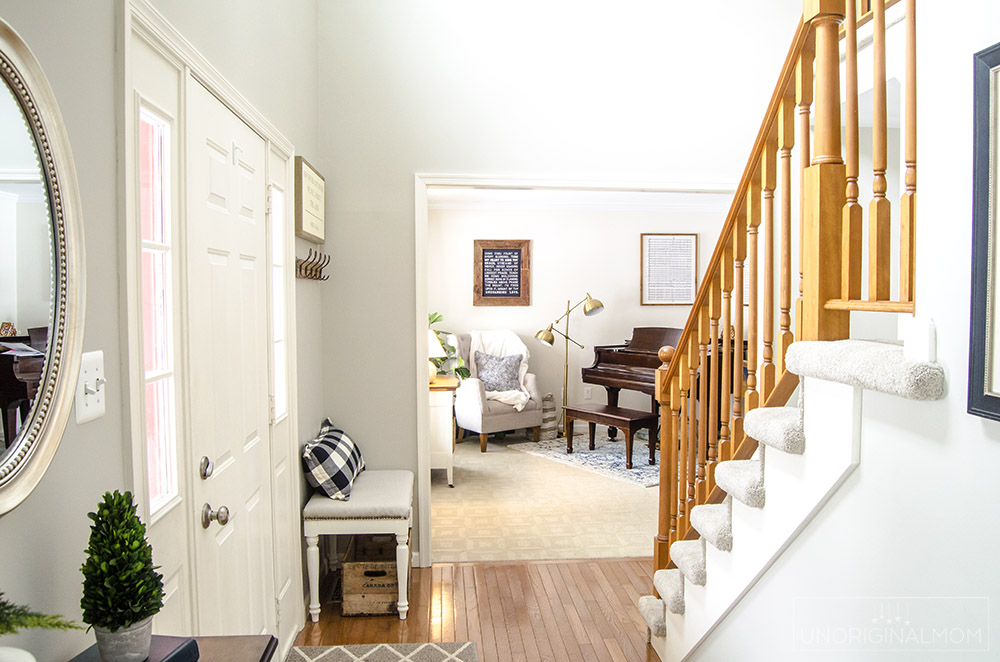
652, 445
312, 563
629, 433
402, 568
569, 435
593, 429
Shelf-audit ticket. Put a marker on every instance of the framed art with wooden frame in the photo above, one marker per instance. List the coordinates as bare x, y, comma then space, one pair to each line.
984, 343
501, 272
668, 269
310, 202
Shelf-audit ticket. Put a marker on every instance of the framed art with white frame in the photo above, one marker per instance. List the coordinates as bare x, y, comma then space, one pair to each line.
668, 269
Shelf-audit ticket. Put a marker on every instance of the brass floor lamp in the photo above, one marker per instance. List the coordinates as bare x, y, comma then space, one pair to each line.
591, 306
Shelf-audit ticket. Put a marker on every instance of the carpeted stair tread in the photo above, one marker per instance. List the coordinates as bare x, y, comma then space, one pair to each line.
743, 479
689, 557
652, 611
777, 427
715, 523
670, 585
877, 366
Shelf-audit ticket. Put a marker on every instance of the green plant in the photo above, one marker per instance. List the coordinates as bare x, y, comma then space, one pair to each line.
14, 617
453, 364
120, 582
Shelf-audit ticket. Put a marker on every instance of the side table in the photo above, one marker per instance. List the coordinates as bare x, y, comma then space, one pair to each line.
441, 402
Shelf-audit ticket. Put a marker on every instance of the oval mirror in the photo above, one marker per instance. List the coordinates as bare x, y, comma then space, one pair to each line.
41, 273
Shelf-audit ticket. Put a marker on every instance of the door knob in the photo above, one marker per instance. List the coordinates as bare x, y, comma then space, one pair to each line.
206, 468
208, 516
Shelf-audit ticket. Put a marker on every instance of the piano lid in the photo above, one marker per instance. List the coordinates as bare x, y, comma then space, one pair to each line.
631, 366
652, 338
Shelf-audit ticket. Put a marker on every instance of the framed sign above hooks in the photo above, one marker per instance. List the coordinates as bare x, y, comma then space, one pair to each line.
310, 202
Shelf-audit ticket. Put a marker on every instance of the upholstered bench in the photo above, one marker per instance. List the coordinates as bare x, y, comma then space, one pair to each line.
381, 502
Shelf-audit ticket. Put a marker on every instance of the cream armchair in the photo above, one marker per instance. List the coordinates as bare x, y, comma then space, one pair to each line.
473, 412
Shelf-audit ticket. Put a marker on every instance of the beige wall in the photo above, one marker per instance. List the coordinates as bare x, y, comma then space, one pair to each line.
630, 91
573, 251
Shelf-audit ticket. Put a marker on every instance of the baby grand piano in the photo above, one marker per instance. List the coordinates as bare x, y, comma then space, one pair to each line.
631, 365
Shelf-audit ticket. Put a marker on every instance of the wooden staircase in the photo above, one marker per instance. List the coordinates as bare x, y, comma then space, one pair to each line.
815, 227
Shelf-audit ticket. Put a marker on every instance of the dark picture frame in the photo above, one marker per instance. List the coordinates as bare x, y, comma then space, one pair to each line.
501, 272
984, 335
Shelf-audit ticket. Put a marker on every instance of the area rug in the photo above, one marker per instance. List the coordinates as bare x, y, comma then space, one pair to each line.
448, 651
607, 458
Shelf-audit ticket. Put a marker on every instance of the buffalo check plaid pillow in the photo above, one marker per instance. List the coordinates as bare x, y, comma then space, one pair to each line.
332, 461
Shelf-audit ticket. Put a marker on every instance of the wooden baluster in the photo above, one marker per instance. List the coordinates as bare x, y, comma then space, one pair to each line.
672, 454
753, 275
786, 140
769, 181
684, 376
703, 395
692, 468
725, 445
739, 254
824, 187
803, 100
879, 211
715, 309
667, 519
853, 216
908, 202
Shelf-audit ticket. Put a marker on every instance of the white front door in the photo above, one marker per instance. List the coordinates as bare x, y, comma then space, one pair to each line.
226, 309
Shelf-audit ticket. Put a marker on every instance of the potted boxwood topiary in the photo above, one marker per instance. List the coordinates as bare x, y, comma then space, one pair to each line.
16, 617
121, 589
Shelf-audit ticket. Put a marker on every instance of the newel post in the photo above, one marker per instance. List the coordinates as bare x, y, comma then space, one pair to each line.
824, 183
667, 521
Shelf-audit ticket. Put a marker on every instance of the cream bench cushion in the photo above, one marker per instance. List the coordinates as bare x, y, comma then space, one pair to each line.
381, 502
376, 494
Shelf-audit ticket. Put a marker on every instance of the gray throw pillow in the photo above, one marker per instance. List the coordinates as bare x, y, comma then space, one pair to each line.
498, 374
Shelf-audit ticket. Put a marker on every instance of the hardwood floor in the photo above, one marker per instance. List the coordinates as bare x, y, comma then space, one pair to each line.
530, 611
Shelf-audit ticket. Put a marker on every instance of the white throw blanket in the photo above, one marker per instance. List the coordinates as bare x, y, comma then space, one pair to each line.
500, 344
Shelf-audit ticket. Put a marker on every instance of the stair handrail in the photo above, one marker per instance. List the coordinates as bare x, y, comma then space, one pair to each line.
785, 79
700, 385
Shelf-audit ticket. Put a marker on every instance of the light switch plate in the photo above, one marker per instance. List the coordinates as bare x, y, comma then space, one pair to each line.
90, 387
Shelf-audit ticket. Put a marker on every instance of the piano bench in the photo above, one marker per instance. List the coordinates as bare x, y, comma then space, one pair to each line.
629, 421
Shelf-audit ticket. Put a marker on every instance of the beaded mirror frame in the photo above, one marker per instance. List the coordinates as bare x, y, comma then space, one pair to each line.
29, 454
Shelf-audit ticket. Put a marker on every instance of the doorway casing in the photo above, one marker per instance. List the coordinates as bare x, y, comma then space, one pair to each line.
422, 183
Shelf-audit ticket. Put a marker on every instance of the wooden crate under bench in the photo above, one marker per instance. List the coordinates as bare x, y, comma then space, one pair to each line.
370, 584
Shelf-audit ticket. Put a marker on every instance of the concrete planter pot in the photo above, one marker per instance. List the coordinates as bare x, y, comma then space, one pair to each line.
8, 654
129, 644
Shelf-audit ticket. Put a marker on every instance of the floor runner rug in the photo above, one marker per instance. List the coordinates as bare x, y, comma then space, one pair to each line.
607, 458
449, 651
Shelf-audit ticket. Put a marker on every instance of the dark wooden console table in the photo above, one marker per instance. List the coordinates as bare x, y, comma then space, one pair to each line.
240, 648
629, 421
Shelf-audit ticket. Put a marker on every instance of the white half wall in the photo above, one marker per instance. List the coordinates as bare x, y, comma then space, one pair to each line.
918, 516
